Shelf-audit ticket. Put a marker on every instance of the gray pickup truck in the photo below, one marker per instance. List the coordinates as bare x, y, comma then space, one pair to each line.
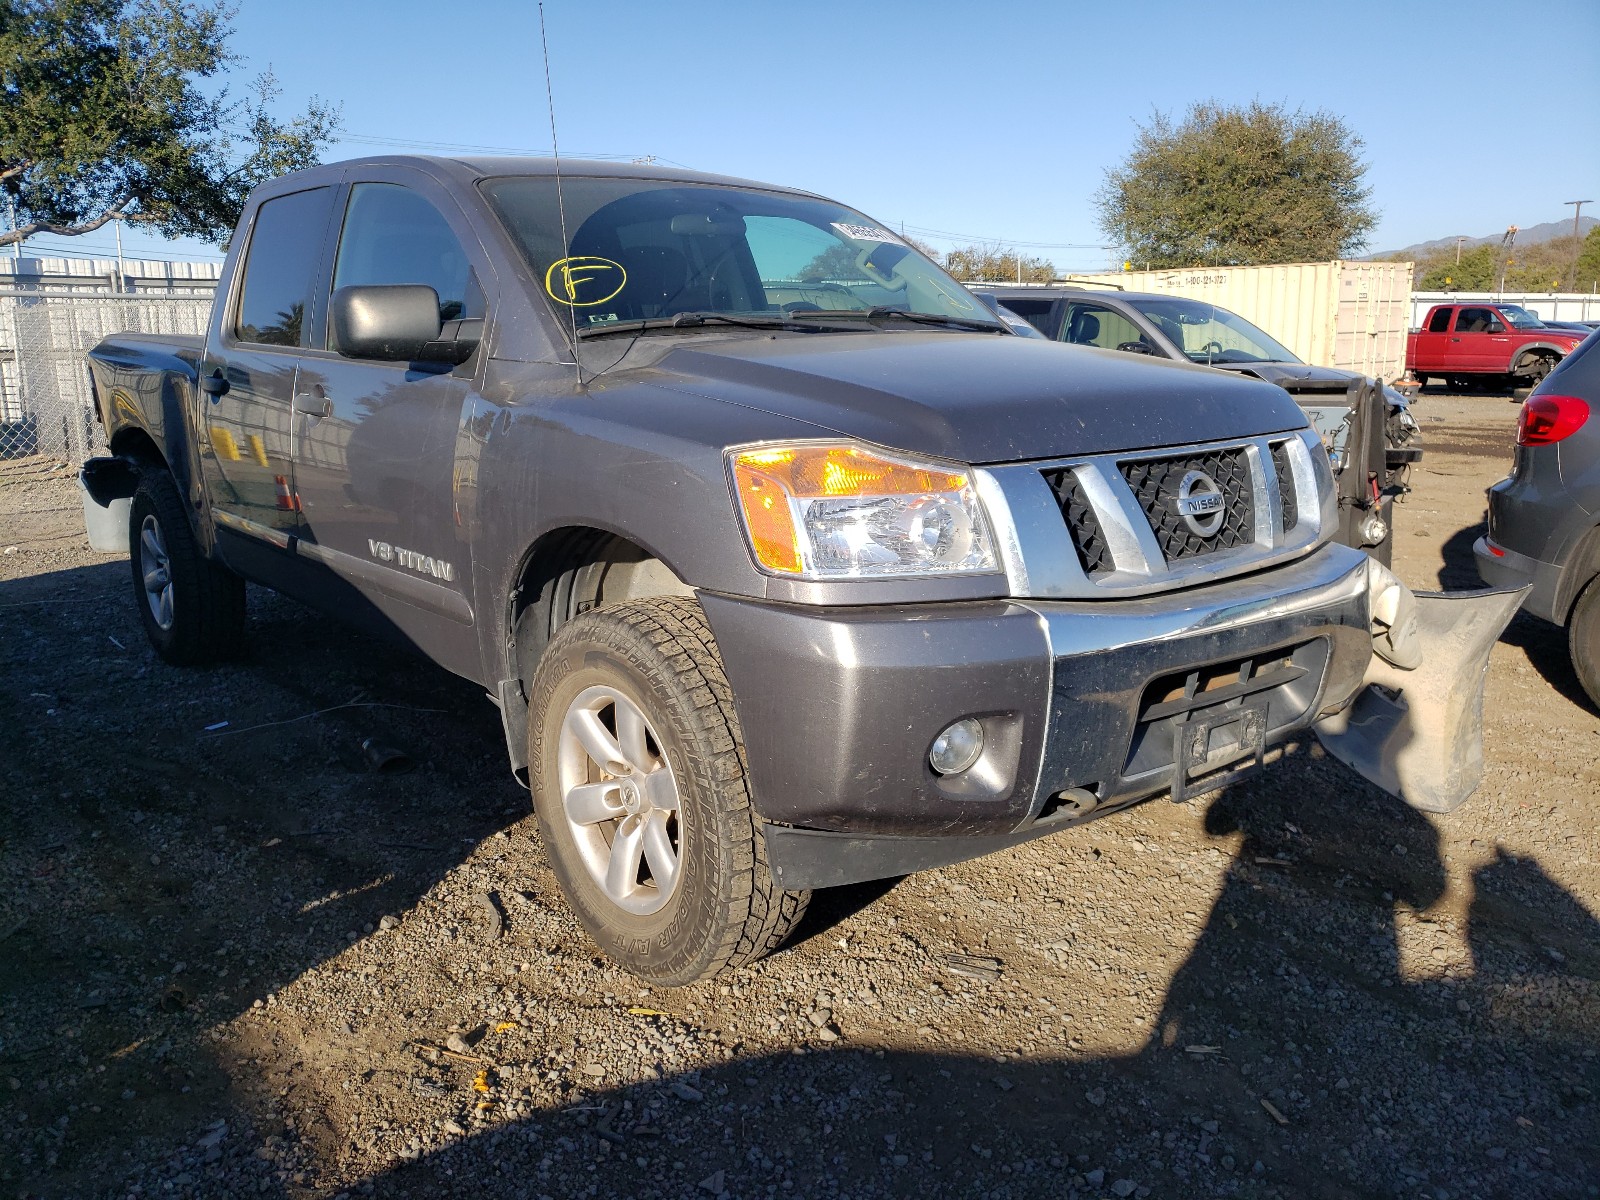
785, 562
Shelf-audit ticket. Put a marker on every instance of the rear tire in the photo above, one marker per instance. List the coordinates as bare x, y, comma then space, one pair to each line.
633, 741
192, 608
1583, 639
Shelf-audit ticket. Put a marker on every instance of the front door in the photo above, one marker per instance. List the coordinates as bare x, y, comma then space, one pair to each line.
249, 368
1480, 341
375, 447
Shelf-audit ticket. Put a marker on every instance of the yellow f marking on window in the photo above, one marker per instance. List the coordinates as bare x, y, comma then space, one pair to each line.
583, 281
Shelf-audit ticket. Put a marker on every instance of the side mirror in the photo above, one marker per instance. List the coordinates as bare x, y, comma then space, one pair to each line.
1135, 347
393, 322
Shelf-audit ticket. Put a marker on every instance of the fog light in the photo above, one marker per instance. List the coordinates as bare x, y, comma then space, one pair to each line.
957, 748
1373, 529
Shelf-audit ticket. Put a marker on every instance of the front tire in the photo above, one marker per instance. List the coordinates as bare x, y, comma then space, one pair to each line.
1583, 639
642, 794
192, 608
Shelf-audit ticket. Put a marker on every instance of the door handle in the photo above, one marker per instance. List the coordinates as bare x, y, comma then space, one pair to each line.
215, 385
314, 404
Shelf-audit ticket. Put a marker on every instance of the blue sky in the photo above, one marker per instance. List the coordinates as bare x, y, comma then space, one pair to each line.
980, 120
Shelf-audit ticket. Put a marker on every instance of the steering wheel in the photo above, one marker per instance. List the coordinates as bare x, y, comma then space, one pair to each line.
1212, 349
795, 306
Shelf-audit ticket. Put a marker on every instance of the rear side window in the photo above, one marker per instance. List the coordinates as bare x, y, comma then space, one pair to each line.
392, 235
280, 264
1440, 321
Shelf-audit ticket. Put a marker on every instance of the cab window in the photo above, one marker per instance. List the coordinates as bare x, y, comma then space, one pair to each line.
285, 243
1440, 321
392, 235
1478, 320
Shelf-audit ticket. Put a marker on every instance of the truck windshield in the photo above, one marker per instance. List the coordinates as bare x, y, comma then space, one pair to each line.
1520, 318
1208, 334
641, 250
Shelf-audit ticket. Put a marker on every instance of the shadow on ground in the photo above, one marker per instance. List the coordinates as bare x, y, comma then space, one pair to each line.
1324, 1038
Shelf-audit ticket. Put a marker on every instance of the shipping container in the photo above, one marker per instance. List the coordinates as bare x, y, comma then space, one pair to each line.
1334, 314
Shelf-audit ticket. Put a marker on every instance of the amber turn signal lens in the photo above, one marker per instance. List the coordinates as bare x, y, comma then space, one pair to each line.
845, 511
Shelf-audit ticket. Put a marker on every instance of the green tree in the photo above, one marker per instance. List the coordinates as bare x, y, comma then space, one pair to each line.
997, 264
1474, 273
1589, 262
1233, 185
102, 117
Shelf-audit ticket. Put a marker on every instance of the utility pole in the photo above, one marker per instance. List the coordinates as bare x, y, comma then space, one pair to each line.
1459, 240
16, 247
122, 271
1577, 207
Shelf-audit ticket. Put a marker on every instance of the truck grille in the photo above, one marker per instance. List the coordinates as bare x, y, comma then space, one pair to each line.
1156, 483
1287, 499
1088, 538
1111, 524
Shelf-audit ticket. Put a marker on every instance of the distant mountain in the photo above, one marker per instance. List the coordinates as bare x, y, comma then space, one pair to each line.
1528, 235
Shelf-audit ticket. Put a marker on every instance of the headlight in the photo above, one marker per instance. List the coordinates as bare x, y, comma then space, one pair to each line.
843, 511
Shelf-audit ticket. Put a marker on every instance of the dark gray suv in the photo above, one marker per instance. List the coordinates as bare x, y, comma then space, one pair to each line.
1544, 518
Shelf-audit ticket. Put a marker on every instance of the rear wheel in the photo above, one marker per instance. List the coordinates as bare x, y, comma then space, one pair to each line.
1583, 639
192, 608
642, 795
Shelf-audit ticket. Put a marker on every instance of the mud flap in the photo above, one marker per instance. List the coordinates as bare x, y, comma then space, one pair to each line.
1418, 733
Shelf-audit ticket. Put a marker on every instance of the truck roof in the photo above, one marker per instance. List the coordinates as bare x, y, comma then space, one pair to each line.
468, 169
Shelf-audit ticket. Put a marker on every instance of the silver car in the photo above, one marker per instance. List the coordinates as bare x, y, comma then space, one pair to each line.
1544, 518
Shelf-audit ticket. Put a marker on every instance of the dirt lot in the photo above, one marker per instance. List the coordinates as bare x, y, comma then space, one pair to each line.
237, 962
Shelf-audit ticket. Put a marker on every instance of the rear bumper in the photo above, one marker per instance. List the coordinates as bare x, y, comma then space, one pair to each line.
839, 707
1502, 567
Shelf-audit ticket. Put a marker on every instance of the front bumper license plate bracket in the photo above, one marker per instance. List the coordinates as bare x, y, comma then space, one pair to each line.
1195, 764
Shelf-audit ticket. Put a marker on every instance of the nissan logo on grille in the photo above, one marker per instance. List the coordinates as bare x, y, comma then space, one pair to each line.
1200, 503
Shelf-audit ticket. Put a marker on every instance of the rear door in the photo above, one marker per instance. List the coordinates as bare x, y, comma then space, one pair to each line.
1433, 341
376, 444
255, 346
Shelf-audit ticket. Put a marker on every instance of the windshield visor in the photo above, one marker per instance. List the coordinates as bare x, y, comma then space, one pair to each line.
1208, 334
642, 250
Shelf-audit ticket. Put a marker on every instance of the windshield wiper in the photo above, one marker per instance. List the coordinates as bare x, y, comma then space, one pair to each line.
883, 311
691, 320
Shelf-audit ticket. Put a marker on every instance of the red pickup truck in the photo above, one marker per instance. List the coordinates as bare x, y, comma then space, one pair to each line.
1483, 343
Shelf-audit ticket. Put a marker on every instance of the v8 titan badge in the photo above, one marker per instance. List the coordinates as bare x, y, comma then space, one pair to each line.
1200, 503
583, 281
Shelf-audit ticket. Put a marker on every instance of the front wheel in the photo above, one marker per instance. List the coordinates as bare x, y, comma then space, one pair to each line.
643, 799
1583, 639
192, 607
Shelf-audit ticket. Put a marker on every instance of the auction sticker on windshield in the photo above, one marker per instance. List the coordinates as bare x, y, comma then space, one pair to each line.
866, 233
584, 280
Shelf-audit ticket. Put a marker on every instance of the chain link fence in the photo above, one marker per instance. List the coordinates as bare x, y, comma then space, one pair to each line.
46, 405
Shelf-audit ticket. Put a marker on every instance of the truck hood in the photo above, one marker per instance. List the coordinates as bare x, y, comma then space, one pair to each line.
977, 398
1291, 375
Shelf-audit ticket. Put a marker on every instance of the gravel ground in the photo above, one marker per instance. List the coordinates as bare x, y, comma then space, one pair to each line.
237, 961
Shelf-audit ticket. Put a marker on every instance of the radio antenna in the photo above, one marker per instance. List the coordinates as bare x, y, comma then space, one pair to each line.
561, 203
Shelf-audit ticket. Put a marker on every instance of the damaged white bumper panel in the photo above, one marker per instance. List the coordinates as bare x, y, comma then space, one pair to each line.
1417, 732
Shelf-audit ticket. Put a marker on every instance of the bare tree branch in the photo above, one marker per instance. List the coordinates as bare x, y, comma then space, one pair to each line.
28, 231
